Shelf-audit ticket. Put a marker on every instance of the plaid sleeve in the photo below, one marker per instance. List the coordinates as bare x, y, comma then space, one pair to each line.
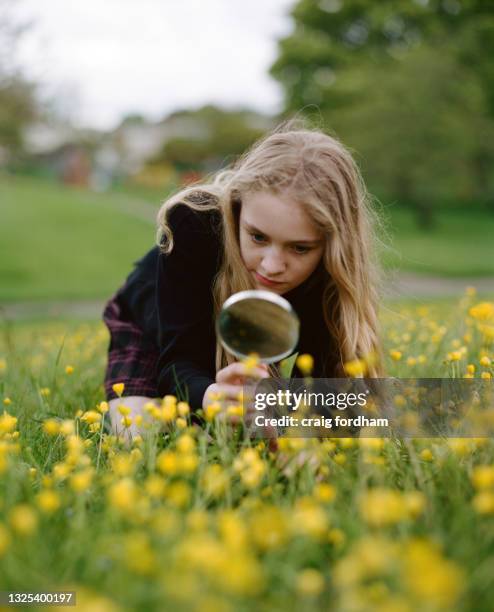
132, 357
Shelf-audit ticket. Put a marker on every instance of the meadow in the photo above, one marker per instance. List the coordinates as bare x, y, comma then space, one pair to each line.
205, 518
58, 242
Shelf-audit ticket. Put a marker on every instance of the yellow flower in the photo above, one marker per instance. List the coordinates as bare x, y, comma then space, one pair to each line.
3, 364
178, 493
251, 362
69, 369
7, 401
118, 388
431, 577
67, 427
310, 582
23, 519
305, 363
48, 501
181, 423
168, 412
381, 507
356, 368
485, 361
103, 407
183, 409
486, 375
123, 494
80, 481
426, 454
122, 464
167, 462
186, 444
336, 537
155, 486
324, 492
7, 423
44, 392
124, 410
483, 476
91, 416
483, 502
235, 410
308, 518
126, 421
214, 480
395, 355
212, 410
484, 311
470, 368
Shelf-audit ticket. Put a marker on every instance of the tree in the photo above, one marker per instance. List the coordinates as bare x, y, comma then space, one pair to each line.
220, 136
18, 102
402, 82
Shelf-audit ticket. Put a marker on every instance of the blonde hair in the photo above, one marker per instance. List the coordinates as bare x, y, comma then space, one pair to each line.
319, 173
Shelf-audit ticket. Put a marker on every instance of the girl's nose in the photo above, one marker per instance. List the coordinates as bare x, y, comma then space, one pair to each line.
273, 263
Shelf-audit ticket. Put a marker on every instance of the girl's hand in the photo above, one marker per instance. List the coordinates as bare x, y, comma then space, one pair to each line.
228, 386
230, 380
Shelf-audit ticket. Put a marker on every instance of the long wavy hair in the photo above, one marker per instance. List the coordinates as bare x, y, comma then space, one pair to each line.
317, 171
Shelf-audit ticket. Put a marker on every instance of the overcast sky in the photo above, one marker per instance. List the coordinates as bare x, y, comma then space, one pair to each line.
103, 59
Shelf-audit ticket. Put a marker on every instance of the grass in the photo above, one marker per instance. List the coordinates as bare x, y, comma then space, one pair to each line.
201, 518
62, 243
461, 243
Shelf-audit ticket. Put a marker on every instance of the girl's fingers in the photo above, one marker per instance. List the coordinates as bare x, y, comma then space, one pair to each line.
237, 372
224, 391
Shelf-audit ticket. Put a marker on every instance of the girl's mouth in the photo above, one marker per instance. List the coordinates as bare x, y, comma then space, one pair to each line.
266, 281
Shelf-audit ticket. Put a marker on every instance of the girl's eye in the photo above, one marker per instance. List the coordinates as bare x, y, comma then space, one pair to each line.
257, 237
301, 250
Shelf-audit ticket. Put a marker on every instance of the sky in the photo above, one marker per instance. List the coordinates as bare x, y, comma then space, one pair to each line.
102, 59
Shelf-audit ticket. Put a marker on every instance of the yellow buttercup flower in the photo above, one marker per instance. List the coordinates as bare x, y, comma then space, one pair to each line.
48, 501
123, 494
483, 476
51, 427
118, 388
309, 582
356, 368
69, 369
7, 423
305, 364
23, 519
484, 311
103, 407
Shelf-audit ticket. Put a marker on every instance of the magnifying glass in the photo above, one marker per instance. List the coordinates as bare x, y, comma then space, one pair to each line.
260, 322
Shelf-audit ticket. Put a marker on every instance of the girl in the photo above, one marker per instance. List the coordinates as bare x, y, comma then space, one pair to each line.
291, 216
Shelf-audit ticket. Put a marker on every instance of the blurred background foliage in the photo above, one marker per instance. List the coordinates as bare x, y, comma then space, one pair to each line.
408, 86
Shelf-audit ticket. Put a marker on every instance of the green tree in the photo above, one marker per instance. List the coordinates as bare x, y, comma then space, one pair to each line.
18, 101
221, 135
409, 84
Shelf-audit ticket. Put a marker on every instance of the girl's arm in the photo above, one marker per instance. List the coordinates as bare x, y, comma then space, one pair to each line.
184, 299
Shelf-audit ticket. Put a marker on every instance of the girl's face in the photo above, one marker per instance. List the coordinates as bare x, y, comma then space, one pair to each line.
279, 244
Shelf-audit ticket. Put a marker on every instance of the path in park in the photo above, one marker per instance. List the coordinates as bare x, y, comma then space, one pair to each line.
404, 285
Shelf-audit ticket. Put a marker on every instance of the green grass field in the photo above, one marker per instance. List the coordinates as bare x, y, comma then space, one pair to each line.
63, 243
461, 244
207, 518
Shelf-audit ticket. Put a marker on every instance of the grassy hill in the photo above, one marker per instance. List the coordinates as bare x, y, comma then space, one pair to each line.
58, 242
63, 243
